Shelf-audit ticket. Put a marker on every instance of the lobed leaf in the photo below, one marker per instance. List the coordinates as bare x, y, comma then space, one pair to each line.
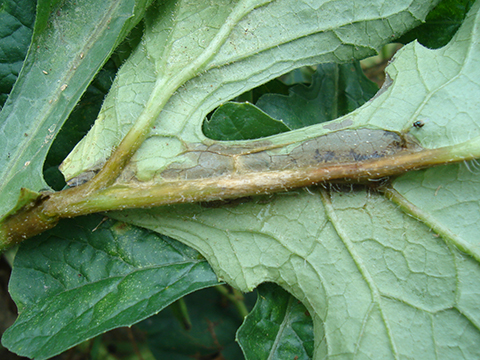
234, 121
336, 90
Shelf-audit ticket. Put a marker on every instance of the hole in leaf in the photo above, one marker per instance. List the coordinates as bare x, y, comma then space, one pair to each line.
334, 90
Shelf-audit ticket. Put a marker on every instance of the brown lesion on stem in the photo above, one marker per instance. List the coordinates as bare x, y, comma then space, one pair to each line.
144, 195
26, 222
43, 213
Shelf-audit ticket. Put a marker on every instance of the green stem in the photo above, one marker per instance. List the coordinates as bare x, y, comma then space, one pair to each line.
74, 202
235, 297
162, 91
43, 213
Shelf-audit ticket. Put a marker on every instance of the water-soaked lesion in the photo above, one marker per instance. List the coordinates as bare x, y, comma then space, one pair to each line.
341, 147
209, 164
86, 175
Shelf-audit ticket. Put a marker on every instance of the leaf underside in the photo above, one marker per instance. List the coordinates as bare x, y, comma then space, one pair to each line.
378, 282
71, 41
383, 275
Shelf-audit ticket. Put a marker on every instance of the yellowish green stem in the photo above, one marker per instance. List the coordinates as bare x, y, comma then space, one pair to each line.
44, 212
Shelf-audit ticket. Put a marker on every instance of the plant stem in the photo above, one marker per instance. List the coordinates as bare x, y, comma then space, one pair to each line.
74, 202
43, 214
235, 297
161, 93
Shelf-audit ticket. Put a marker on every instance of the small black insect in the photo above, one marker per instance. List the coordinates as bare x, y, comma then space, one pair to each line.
418, 124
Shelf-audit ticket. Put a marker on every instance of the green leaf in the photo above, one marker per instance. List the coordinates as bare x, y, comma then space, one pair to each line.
212, 334
279, 327
70, 44
440, 25
88, 276
234, 121
16, 25
335, 91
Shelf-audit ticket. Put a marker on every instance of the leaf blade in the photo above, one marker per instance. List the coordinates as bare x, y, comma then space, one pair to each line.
52, 80
226, 75
92, 284
241, 121
278, 327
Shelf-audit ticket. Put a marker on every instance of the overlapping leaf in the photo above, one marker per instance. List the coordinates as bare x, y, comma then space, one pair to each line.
69, 46
335, 90
241, 45
377, 282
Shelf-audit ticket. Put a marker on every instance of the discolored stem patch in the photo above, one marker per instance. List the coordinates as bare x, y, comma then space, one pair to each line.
225, 172
341, 147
